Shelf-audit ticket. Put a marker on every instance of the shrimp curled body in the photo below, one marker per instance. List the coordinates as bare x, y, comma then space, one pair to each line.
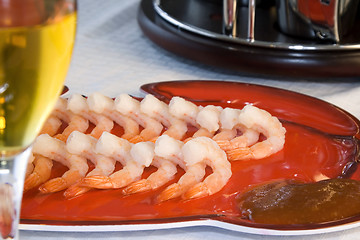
197, 154
261, 121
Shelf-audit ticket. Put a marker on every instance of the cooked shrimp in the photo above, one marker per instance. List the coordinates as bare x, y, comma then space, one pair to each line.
55, 149
74, 122
193, 175
60, 110
260, 121
197, 154
233, 134
229, 119
131, 107
208, 119
165, 172
51, 126
135, 158
78, 105
169, 148
104, 105
77, 123
216, 158
110, 145
167, 156
184, 110
84, 145
154, 108
40, 174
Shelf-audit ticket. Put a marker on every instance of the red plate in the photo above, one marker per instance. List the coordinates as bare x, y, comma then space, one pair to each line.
320, 139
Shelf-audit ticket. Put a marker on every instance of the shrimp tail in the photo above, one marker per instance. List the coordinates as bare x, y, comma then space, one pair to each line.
99, 182
140, 186
212, 184
60, 183
236, 143
136, 139
197, 191
41, 173
239, 154
34, 180
75, 190
224, 144
172, 191
53, 185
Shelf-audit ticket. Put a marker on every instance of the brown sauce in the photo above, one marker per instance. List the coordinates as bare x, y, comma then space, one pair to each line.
289, 202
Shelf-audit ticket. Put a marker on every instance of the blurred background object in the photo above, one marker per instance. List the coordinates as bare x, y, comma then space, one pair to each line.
318, 38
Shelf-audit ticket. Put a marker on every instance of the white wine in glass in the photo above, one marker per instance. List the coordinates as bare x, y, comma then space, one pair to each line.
36, 42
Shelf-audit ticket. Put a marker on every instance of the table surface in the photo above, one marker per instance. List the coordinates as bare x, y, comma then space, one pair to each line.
113, 56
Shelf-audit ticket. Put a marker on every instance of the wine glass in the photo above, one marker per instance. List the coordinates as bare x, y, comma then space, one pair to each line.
36, 42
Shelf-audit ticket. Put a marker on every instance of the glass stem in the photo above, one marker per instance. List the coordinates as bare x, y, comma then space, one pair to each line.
12, 174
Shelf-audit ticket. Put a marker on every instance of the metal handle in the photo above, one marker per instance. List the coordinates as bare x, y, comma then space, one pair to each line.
251, 20
230, 16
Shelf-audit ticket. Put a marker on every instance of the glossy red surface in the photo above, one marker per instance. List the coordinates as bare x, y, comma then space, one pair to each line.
320, 139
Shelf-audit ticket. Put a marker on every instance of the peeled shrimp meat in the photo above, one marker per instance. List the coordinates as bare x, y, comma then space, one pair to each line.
78, 105
156, 109
40, 173
208, 118
84, 146
261, 121
167, 156
101, 104
51, 126
74, 122
135, 158
197, 154
55, 149
131, 107
184, 110
233, 134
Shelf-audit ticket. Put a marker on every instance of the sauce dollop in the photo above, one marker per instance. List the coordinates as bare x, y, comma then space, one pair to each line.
290, 202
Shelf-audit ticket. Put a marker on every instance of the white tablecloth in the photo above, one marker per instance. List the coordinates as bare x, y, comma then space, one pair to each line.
113, 56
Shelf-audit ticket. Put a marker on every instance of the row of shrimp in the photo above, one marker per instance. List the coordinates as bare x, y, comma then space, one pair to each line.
155, 133
236, 131
166, 154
